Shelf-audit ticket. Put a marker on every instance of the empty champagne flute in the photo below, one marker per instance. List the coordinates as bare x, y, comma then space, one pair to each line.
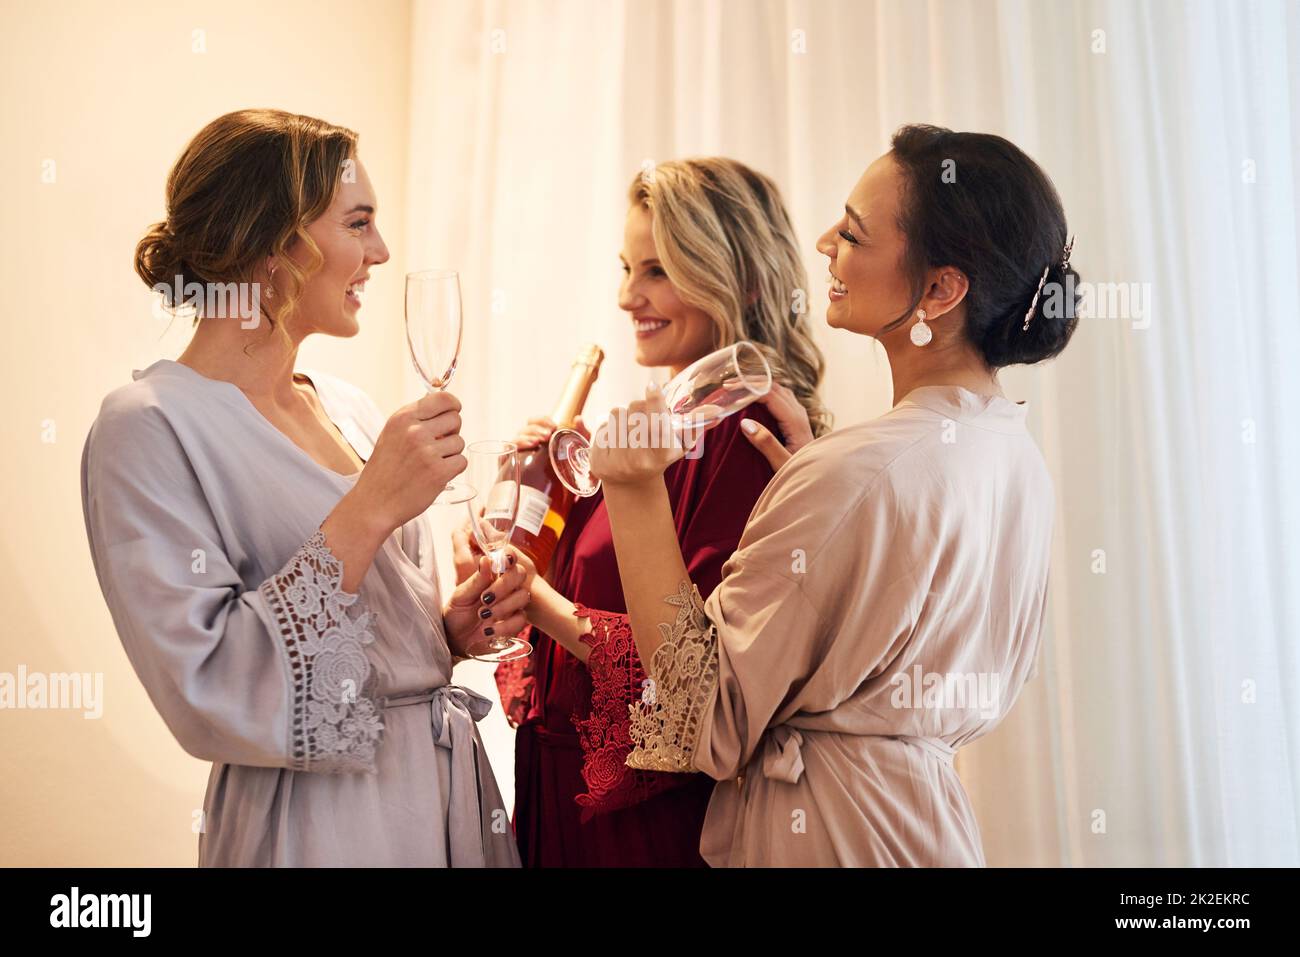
433, 333
706, 391
493, 509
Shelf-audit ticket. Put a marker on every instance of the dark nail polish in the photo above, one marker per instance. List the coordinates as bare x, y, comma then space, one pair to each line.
488, 598
485, 613
489, 631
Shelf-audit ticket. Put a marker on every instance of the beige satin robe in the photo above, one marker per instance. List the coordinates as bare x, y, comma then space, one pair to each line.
883, 609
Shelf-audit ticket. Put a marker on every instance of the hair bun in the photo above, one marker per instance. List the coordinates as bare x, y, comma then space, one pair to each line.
1052, 321
1001, 224
157, 262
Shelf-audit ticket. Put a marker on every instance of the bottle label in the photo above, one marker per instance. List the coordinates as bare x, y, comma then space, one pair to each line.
500, 503
533, 506
554, 522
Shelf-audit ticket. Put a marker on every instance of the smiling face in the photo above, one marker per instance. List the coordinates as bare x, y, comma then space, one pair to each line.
350, 242
669, 332
869, 287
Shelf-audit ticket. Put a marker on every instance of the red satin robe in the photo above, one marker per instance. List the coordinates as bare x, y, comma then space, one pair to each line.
576, 803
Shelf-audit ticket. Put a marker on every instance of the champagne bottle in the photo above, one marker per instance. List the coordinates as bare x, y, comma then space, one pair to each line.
544, 502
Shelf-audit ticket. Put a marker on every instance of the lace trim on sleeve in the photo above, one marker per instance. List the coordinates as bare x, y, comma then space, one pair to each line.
665, 723
335, 724
515, 680
617, 680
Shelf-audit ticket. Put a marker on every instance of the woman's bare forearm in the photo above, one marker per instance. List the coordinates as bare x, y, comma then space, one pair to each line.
553, 613
354, 535
649, 557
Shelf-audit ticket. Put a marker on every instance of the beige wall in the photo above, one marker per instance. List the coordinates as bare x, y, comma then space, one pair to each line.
111, 93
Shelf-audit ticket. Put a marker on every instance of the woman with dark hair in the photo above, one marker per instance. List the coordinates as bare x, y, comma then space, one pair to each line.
886, 601
259, 532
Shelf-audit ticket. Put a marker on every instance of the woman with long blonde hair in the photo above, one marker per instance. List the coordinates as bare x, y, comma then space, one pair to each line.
709, 258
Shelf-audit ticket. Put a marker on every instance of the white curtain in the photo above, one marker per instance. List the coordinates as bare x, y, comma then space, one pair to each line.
1164, 727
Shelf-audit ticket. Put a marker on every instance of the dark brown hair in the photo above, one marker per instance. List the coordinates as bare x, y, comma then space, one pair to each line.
976, 202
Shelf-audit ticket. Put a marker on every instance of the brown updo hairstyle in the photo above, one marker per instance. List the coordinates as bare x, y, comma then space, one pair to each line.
999, 220
243, 190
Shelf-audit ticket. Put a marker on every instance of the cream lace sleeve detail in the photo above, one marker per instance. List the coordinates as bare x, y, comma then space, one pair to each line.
665, 723
335, 725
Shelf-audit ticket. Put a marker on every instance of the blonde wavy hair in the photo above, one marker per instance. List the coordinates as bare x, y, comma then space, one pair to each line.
245, 189
725, 240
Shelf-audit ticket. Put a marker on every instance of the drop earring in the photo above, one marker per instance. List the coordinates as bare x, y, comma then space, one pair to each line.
920, 333
270, 284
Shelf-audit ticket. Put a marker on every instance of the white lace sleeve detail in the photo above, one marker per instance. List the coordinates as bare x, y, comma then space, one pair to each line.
665, 723
335, 724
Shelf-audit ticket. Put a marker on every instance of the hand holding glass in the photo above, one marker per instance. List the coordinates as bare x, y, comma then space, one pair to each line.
705, 392
493, 508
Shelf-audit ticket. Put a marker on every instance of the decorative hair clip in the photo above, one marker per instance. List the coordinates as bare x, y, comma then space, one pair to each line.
1065, 261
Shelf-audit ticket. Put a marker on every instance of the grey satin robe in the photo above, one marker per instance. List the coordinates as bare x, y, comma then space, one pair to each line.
335, 734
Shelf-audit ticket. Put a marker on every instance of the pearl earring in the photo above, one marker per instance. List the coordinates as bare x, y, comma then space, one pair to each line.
921, 333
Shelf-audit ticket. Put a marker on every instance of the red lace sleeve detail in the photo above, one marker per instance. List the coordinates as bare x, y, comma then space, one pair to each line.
515, 686
617, 679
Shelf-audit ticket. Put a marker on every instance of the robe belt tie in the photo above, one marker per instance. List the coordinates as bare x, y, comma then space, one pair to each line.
783, 757
453, 710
